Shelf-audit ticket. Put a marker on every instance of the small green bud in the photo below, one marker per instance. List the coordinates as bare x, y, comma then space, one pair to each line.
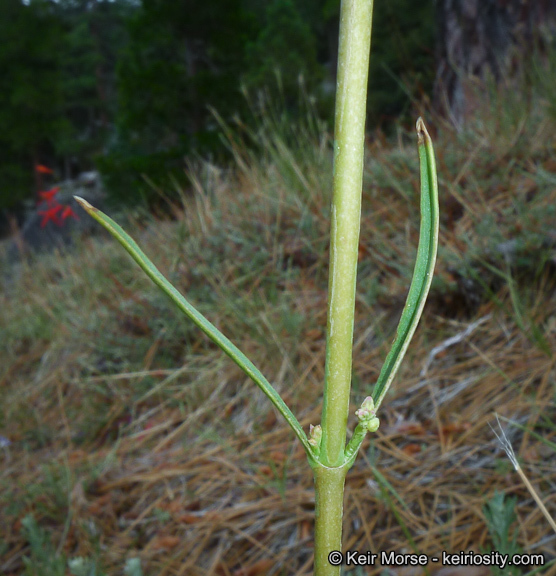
373, 424
367, 415
367, 409
315, 436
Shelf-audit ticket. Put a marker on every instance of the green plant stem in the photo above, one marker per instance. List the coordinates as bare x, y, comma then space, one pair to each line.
351, 98
329, 508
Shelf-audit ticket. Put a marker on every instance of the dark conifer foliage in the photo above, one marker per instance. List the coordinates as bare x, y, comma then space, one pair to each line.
127, 86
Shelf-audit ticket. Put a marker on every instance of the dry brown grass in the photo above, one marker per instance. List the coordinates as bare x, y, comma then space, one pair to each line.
130, 435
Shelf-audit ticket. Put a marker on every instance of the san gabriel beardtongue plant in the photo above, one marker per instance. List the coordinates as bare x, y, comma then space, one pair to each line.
325, 447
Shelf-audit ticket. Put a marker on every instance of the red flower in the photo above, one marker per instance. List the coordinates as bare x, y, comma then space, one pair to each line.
51, 214
69, 212
43, 169
49, 194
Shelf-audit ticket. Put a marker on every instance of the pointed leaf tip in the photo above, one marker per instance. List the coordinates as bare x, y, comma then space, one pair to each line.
422, 131
84, 204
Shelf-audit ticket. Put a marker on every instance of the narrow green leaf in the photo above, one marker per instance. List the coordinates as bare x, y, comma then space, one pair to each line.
207, 327
424, 266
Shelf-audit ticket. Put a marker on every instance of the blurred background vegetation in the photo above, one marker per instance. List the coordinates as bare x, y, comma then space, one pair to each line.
126, 87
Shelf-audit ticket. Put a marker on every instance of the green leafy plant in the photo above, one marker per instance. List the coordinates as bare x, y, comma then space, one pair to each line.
325, 446
88, 567
44, 559
500, 514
